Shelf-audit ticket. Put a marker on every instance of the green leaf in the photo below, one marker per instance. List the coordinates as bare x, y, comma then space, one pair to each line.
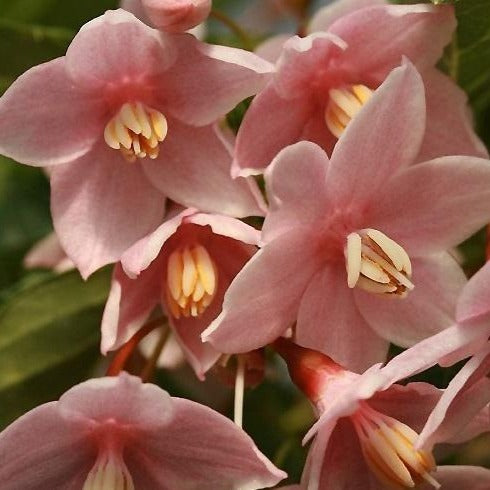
49, 336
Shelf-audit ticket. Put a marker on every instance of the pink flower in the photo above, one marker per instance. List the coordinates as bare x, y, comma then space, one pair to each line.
367, 210
127, 118
186, 265
48, 254
323, 81
366, 433
117, 433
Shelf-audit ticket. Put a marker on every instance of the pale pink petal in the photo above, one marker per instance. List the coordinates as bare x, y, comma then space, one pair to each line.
171, 356
426, 310
210, 80
263, 299
449, 129
201, 449
177, 15
136, 8
329, 321
101, 205
129, 305
326, 16
42, 446
295, 183
464, 397
405, 210
271, 123
384, 137
117, 48
271, 48
316, 130
145, 251
48, 254
474, 301
419, 32
45, 119
193, 169
461, 477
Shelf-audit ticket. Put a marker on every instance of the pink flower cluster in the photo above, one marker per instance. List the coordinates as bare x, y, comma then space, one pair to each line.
373, 175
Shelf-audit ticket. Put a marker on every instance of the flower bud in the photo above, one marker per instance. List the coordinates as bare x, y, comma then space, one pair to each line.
176, 15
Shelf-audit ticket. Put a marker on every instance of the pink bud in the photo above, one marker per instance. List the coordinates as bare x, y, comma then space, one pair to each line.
177, 15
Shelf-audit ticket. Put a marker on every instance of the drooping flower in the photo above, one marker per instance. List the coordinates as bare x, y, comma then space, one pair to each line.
186, 265
127, 118
322, 81
367, 211
366, 433
119, 434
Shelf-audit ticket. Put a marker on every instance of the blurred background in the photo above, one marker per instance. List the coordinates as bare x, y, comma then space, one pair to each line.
49, 322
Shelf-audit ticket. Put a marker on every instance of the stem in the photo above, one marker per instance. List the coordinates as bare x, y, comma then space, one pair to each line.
239, 390
234, 27
123, 354
152, 361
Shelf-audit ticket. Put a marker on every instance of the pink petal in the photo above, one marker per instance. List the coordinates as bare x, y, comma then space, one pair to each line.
474, 302
208, 81
384, 137
426, 310
45, 119
418, 32
295, 183
193, 169
405, 209
128, 306
117, 49
48, 254
263, 299
177, 15
42, 446
449, 129
272, 47
329, 321
200, 449
271, 123
459, 477
101, 205
145, 251
464, 397
326, 16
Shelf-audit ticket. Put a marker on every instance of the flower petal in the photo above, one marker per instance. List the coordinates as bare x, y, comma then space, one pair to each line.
128, 306
405, 208
200, 449
474, 301
48, 254
383, 137
263, 299
193, 169
458, 477
419, 32
295, 183
329, 321
426, 310
45, 119
101, 205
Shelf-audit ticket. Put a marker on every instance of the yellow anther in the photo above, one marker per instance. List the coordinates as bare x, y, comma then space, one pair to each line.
192, 281
377, 264
136, 131
343, 105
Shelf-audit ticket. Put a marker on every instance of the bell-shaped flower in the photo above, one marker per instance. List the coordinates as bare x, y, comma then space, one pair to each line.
120, 434
355, 246
127, 117
367, 429
323, 81
186, 265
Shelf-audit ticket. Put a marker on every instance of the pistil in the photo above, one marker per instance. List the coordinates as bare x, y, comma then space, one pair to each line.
109, 471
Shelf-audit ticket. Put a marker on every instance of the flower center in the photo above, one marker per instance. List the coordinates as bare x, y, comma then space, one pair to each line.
136, 130
388, 448
377, 264
192, 281
343, 105
109, 471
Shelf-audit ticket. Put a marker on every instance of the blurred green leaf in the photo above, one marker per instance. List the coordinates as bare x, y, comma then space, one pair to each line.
49, 336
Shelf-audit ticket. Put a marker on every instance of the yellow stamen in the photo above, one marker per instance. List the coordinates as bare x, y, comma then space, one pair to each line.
343, 105
192, 281
377, 264
136, 131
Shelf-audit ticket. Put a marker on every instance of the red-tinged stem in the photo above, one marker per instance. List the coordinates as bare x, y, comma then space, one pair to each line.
124, 353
